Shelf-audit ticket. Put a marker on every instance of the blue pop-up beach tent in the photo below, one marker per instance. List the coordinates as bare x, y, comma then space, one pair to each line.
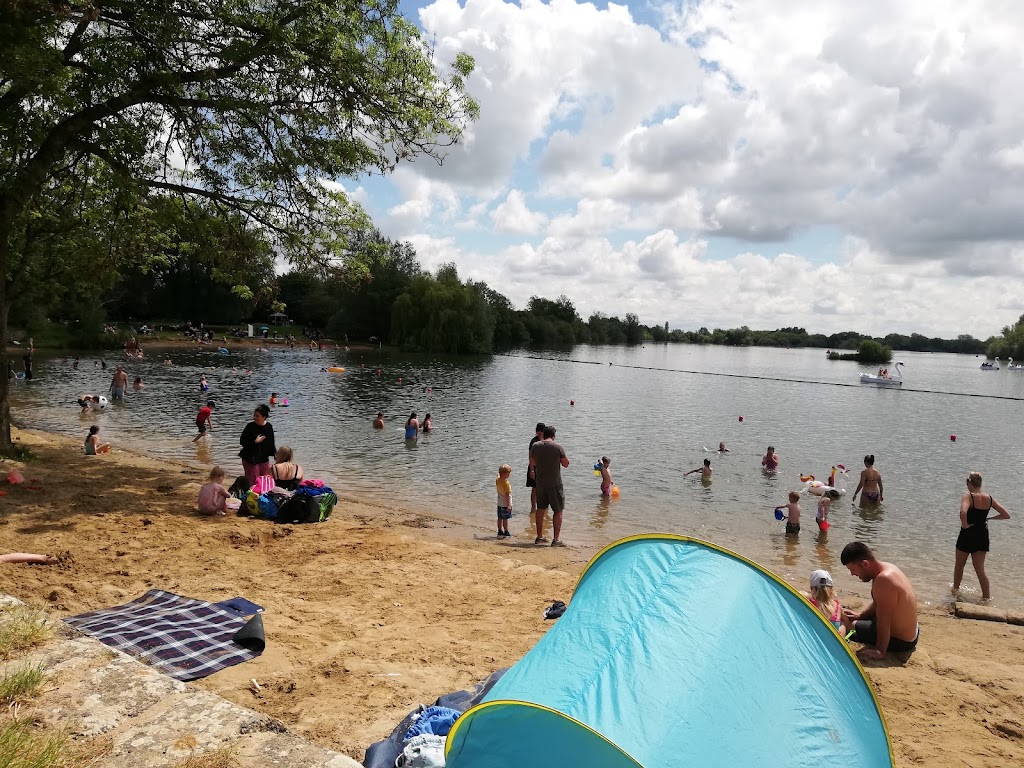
675, 653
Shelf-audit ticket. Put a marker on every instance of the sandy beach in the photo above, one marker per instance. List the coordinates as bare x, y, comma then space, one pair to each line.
384, 608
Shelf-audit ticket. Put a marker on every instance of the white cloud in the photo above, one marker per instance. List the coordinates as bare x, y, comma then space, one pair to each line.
513, 216
640, 149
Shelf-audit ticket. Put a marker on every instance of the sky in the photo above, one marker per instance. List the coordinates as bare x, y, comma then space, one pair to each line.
827, 164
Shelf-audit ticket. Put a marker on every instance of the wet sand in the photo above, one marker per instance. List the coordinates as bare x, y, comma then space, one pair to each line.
384, 607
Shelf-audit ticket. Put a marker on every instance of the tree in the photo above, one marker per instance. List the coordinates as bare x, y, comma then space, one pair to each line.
250, 104
1011, 344
870, 351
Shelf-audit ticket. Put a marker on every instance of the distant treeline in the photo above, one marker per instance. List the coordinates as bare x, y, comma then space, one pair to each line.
204, 268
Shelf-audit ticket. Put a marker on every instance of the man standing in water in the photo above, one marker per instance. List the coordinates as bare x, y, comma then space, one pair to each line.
889, 623
531, 480
118, 384
547, 459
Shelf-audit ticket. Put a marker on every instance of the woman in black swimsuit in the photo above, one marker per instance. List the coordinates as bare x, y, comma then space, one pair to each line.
973, 538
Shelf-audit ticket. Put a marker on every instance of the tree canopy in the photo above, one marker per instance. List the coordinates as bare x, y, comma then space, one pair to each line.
255, 106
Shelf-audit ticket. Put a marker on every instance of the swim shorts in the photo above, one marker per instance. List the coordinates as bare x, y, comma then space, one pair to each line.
551, 497
792, 528
531, 480
865, 631
117, 393
201, 426
504, 514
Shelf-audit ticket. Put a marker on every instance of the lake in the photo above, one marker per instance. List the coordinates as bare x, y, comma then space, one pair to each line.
655, 410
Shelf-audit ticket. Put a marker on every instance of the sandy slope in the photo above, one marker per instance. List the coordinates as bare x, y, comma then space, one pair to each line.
385, 608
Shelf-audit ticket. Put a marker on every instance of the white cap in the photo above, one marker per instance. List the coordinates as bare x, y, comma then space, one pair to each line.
821, 579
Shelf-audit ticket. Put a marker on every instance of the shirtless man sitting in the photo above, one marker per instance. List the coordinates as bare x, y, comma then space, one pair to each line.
889, 623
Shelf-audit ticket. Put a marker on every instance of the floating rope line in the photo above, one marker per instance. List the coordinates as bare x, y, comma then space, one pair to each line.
765, 378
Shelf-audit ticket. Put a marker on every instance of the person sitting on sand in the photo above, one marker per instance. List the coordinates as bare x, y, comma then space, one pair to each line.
889, 623
286, 473
705, 471
92, 442
213, 496
823, 598
378, 423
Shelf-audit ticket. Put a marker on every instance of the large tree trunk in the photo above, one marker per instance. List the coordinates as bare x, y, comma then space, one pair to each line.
6, 222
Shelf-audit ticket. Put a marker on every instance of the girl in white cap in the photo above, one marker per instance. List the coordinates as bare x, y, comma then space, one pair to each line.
824, 599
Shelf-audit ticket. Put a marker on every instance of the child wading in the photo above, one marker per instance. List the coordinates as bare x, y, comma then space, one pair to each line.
504, 488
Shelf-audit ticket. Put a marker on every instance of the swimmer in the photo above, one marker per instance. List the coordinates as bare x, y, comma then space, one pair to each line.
167, 361
870, 483
427, 424
93, 446
705, 471
203, 385
722, 448
89, 401
378, 423
273, 398
137, 385
770, 460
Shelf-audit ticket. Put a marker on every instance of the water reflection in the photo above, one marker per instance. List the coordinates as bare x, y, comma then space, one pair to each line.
870, 516
599, 515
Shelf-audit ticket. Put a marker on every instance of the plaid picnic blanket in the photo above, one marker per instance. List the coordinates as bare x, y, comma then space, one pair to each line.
182, 637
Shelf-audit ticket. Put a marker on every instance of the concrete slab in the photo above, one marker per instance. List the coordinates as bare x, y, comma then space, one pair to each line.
978, 612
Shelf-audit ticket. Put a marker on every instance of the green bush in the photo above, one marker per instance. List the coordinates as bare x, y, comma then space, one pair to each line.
870, 351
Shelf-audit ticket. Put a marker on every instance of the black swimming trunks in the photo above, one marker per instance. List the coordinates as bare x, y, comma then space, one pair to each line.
865, 631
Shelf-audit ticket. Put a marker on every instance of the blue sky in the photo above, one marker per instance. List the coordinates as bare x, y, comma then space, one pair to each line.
815, 163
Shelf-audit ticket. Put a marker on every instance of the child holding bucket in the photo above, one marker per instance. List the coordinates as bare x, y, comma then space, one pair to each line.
824, 599
824, 506
793, 518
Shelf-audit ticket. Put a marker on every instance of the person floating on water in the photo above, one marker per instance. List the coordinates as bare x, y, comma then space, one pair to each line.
722, 448
870, 482
770, 460
705, 471
504, 489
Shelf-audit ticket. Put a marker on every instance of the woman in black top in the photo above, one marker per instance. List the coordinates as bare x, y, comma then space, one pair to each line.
286, 473
257, 442
973, 539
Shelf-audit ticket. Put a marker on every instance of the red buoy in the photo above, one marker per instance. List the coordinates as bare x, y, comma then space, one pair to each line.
741, 418
572, 402
952, 438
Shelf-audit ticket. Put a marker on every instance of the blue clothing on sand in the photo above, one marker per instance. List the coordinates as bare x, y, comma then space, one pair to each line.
434, 720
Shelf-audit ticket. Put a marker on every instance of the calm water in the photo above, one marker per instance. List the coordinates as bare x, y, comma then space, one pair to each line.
654, 424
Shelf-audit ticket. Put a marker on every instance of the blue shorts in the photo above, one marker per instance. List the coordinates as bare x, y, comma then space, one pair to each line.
504, 514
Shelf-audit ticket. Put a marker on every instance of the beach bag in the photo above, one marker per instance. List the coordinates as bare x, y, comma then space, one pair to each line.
251, 504
308, 507
264, 483
267, 507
